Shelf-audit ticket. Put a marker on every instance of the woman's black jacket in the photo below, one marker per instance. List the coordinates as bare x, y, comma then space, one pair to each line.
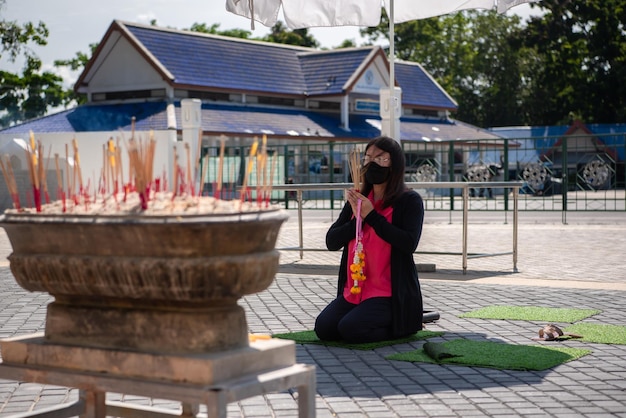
403, 234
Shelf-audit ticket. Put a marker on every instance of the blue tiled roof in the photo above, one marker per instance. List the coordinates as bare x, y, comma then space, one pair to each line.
419, 89
243, 120
226, 63
259, 120
95, 118
327, 72
210, 61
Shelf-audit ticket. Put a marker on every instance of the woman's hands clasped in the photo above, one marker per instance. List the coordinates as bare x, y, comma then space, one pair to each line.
353, 196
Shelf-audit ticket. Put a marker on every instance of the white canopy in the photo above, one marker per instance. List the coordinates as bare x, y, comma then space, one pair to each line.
316, 13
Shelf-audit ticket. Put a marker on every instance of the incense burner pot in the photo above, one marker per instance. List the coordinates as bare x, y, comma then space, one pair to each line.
146, 283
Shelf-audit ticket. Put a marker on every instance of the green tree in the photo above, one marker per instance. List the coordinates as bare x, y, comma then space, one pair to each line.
29, 95
77, 63
281, 35
15, 38
214, 30
475, 57
32, 93
581, 67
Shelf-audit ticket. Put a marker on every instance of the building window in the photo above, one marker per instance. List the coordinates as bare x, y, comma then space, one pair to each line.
128, 95
424, 112
329, 106
208, 96
277, 101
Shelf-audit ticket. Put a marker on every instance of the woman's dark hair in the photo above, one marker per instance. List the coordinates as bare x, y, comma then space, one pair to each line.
395, 183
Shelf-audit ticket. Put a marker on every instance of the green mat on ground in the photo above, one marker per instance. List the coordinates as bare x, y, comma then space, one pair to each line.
492, 354
531, 313
309, 337
598, 333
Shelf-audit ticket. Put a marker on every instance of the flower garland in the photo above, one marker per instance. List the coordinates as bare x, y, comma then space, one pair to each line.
358, 260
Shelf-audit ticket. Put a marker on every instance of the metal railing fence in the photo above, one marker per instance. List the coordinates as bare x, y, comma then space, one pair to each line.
572, 173
464, 187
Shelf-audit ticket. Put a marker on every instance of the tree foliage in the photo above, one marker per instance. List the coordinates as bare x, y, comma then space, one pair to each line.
30, 94
581, 61
300, 37
567, 60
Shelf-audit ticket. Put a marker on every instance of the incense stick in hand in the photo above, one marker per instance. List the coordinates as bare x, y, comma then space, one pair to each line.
355, 168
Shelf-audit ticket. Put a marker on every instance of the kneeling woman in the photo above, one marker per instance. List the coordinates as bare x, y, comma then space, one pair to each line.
378, 294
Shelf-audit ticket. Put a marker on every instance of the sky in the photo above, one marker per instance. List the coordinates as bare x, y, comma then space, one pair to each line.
74, 24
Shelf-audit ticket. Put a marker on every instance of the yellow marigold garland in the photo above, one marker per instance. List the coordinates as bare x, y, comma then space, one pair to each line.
356, 268
358, 260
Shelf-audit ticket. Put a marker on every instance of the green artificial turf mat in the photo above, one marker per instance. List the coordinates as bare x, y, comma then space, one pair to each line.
598, 333
309, 337
492, 354
531, 313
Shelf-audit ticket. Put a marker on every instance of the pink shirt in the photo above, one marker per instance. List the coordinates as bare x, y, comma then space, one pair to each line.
377, 268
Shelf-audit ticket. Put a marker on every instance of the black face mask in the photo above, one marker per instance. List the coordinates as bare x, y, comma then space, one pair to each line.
376, 174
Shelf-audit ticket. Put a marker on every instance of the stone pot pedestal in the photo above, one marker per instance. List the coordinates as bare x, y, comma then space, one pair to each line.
146, 283
147, 305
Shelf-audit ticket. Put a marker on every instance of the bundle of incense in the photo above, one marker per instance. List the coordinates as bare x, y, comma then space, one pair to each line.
244, 188
111, 165
141, 163
261, 175
119, 175
355, 168
68, 184
77, 171
9, 177
32, 160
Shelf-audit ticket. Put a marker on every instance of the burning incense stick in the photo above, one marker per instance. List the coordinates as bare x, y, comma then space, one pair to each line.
77, 170
244, 188
32, 161
119, 175
205, 169
355, 168
9, 177
175, 173
112, 170
137, 164
69, 184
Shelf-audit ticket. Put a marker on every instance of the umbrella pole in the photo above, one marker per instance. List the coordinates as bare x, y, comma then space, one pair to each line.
392, 72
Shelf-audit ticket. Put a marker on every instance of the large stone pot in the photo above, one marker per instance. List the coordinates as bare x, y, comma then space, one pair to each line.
146, 283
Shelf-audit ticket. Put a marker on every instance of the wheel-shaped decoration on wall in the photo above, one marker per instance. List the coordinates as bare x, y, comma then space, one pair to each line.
535, 175
478, 173
425, 173
596, 173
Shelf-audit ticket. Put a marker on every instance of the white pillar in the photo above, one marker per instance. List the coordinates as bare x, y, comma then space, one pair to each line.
191, 121
345, 113
172, 138
390, 109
